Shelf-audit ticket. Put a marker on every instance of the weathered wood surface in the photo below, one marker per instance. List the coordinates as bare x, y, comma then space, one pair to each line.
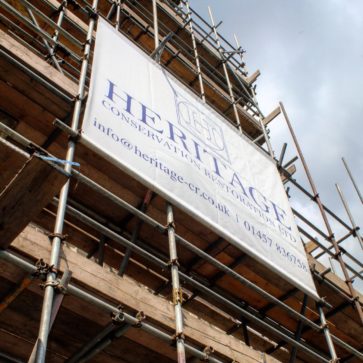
10, 162
136, 296
32, 188
13, 47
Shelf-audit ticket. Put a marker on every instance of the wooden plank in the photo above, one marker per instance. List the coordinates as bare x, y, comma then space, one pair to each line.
311, 246
136, 296
333, 278
31, 189
253, 77
291, 170
272, 115
10, 45
10, 162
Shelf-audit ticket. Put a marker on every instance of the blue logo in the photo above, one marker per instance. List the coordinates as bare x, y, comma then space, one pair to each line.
201, 126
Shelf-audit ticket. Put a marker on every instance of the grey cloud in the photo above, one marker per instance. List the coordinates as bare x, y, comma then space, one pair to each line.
310, 54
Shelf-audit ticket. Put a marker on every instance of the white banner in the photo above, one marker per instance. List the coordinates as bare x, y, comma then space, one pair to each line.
154, 128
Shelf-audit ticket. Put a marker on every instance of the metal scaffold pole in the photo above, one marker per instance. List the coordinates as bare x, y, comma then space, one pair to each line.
331, 238
328, 337
118, 14
352, 179
195, 49
156, 25
177, 291
49, 48
51, 282
225, 70
350, 216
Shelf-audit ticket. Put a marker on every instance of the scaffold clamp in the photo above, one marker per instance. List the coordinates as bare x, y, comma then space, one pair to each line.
176, 337
208, 350
173, 262
92, 13
43, 269
119, 317
140, 316
61, 236
170, 225
53, 283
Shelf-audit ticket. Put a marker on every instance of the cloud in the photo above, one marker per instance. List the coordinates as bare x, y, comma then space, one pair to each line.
310, 54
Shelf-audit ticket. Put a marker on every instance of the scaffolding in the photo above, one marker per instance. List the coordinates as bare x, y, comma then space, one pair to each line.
46, 49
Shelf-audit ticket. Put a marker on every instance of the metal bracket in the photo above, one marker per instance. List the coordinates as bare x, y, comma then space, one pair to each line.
74, 3
61, 236
207, 352
73, 135
315, 197
42, 270
119, 317
61, 6
170, 225
60, 285
173, 262
54, 283
92, 13
140, 316
177, 336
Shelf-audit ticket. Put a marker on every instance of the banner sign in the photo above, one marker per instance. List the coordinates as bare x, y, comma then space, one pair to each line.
149, 124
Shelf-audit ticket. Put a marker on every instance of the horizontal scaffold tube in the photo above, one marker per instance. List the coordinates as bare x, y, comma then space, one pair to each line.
153, 223
164, 265
129, 319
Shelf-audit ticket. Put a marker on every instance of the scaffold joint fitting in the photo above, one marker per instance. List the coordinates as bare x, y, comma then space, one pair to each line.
173, 262
61, 236
170, 225
74, 3
43, 269
75, 137
315, 197
177, 296
119, 317
208, 350
324, 326
140, 316
60, 8
53, 283
92, 13
176, 337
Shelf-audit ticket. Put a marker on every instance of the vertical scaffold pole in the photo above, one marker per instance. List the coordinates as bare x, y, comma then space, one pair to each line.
350, 215
328, 338
50, 283
61, 9
338, 253
156, 26
177, 291
262, 125
118, 14
352, 179
225, 70
196, 55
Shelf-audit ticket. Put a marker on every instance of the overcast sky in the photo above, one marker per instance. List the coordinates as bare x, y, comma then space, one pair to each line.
310, 54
